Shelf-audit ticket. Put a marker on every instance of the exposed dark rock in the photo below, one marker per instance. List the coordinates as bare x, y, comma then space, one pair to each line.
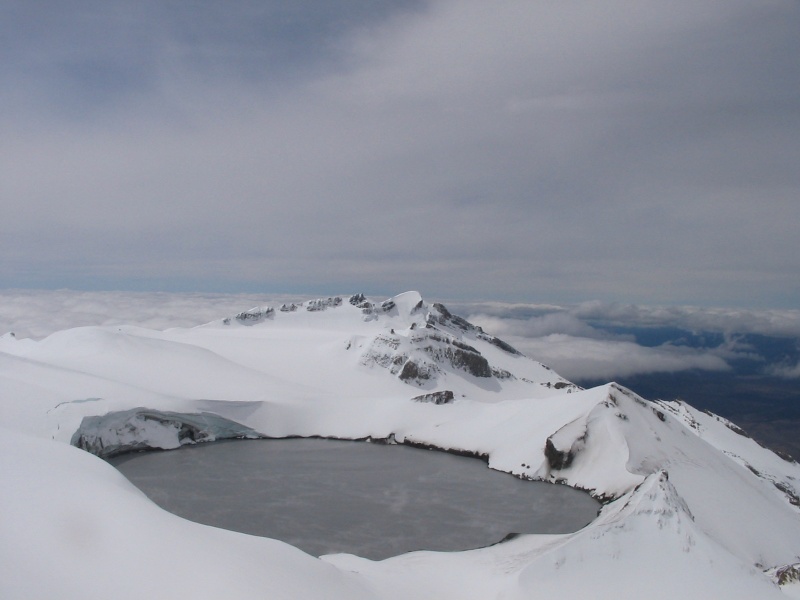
462, 346
413, 371
445, 317
788, 574
457, 451
463, 324
254, 315
557, 459
736, 429
360, 301
323, 303
443, 397
502, 345
357, 299
443, 310
507, 538
136, 429
472, 362
444, 348
793, 498
422, 355
570, 387
501, 374
753, 470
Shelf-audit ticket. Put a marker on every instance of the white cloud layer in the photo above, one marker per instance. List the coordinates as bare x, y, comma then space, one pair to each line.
583, 358
555, 336
38, 313
786, 371
563, 338
578, 351
533, 319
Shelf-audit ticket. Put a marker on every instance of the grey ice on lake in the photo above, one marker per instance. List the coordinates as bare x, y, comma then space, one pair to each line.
373, 500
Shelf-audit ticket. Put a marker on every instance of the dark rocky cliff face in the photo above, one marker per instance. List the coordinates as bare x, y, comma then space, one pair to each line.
557, 459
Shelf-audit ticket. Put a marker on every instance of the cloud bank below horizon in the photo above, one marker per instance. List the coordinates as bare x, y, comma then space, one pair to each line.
563, 337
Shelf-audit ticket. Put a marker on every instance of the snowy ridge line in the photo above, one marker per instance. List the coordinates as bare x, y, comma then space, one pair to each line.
697, 423
683, 410
141, 429
684, 492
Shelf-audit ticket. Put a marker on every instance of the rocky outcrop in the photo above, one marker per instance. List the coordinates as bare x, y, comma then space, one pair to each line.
417, 372
252, 316
443, 397
439, 316
357, 300
557, 459
563, 446
785, 575
255, 315
323, 304
422, 355
144, 429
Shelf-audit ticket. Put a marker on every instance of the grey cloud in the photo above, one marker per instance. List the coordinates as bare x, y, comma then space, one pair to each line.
772, 322
727, 321
89, 55
584, 358
629, 150
579, 351
786, 371
564, 336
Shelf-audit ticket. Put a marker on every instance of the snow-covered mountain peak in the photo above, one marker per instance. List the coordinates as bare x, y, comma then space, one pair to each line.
408, 303
656, 496
419, 344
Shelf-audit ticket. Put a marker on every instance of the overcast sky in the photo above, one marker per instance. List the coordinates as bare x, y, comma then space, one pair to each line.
623, 151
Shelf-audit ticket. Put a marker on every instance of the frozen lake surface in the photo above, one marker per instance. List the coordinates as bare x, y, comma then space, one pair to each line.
373, 500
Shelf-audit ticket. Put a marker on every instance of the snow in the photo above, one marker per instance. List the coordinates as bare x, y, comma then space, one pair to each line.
73, 527
695, 510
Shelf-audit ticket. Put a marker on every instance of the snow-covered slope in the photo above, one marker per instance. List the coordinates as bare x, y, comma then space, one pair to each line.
694, 509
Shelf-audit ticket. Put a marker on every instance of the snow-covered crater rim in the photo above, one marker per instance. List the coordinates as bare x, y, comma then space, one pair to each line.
142, 429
